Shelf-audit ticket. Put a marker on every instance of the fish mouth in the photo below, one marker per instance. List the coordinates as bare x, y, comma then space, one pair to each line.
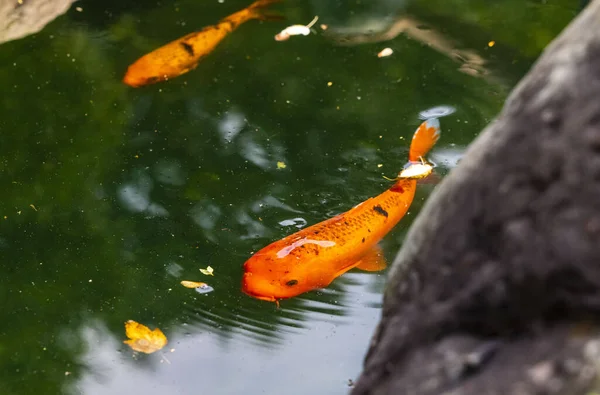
261, 297
246, 289
266, 298
132, 81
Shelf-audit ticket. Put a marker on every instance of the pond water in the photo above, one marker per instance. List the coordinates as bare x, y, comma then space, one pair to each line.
112, 195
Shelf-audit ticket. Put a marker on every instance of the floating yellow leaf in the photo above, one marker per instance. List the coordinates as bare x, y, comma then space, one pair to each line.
281, 165
208, 271
192, 284
416, 171
491, 43
141, 338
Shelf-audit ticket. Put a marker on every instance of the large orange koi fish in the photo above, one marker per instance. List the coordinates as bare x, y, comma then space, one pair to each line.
182, 55
313, 257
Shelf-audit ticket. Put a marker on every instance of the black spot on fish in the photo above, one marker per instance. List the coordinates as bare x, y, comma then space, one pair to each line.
397, 188
188, 48
291, 283
363, 240
230, 25
379, 210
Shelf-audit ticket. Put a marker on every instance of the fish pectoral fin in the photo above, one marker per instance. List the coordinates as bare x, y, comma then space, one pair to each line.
373, 260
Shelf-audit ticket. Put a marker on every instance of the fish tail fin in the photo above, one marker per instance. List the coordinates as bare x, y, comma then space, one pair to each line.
257, 12
425, 137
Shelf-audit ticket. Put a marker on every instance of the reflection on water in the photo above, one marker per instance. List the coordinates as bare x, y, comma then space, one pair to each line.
374, 32
197, 358
436, 112
231, 125
448, 157
385, 20
297, 222
113, 196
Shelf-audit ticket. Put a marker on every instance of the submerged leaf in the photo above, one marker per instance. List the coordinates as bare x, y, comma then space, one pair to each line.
208, 271
141, 338
200, 287
204, 289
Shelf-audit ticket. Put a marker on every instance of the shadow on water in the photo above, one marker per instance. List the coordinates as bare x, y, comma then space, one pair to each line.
113, 195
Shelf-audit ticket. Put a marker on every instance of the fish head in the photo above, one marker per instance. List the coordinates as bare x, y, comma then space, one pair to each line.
144, 72
265, 281
285, 269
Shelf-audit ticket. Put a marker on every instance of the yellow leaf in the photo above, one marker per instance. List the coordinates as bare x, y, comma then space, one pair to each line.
208, 271
192, 284
416, 171
141, 338
281, 165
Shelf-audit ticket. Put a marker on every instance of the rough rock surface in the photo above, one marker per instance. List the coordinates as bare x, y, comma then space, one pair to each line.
496, 289
22, 18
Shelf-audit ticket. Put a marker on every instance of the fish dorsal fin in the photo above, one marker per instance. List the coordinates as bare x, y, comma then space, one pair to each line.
373, 260
426, 135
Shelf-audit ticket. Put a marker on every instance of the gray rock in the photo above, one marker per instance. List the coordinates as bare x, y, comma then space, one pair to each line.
22, 18
496, 289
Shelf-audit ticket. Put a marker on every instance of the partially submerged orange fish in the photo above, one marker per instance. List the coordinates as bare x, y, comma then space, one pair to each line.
313, 257
182, 55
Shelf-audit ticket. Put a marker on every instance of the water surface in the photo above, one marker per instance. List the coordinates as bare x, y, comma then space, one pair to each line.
112, 195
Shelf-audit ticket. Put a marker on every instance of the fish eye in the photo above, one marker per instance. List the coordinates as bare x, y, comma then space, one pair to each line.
291, 283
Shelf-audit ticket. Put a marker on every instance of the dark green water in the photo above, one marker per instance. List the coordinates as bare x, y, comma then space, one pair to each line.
137, 189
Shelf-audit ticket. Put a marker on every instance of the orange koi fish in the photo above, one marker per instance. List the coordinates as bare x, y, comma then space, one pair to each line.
313, 257
182, 55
